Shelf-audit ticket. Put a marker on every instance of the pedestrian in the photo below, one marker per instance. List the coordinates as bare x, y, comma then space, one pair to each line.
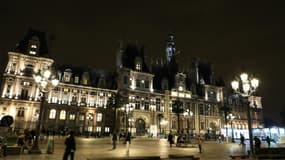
114, 139
70, 146
257, 143
128, 141
220, 139
268, 141
170, 139
242, 139
199, 141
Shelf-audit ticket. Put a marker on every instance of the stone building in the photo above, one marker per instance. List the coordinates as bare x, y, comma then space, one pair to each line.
161, 97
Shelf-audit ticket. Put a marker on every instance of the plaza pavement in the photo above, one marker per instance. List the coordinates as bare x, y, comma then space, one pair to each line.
100, 148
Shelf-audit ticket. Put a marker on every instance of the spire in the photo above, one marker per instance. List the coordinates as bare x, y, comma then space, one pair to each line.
170, 47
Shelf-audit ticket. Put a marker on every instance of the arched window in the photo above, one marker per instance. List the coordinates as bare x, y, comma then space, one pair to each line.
52, 114
62, 115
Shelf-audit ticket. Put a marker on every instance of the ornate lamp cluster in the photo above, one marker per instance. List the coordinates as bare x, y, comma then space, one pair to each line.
248, 87
45, 80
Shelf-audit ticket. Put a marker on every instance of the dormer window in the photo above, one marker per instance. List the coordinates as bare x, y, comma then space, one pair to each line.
138, 64
34, 46
32, 52
67, 75
76, 80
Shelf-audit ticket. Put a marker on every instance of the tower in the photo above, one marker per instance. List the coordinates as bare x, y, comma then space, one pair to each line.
170, 47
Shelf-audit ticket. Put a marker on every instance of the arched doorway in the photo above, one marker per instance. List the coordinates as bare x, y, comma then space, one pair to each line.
140, 127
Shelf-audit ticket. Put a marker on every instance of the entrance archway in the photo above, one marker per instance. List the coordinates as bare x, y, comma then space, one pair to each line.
140, 127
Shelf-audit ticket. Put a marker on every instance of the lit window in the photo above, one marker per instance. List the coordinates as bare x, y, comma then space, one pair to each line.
75, 91
32, 52
65, 90
53, 99
99, 117
52, 114
85, 81
76, 80
72, 117
98, 129
138, 66
26, 83
81, 117
62, 115
107, 129
34, 46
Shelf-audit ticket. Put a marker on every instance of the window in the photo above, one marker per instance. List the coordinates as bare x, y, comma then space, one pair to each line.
65, 90
62, 115
72, 116
83, 101
84, 81
76, 80
66, 78
52, 114
98, 129
201, 109
146, 84
107, 129
99, 117
54, 99
81, 117
101, 102
137, 105
75, 90
138, 66
21, 112
26, 83
157, 101
146, 106
138, 83
33, 52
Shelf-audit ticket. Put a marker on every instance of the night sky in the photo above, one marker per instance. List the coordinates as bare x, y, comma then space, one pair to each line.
233, 35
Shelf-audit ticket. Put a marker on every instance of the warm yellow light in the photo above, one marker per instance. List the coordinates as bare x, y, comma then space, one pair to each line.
44, 84
47, 74
246, 87
54, 82
254, 83
38, 78
235, 85
244, 77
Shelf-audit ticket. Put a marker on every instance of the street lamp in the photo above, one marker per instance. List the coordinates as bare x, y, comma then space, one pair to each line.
45, 81
248, 87
128, 108
89, 118
188, 114
231, 117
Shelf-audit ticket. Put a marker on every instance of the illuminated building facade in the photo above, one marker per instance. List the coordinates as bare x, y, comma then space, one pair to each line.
80, 101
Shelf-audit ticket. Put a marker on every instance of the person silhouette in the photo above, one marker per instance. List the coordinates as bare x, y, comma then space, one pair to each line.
70, 146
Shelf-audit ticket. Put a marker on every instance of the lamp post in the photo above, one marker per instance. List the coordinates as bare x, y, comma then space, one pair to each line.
128, 108
247, 89
45, 81
188, 114
89, 118
231, 117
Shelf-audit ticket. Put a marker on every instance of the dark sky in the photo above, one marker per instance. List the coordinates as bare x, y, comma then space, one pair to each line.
233, 35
